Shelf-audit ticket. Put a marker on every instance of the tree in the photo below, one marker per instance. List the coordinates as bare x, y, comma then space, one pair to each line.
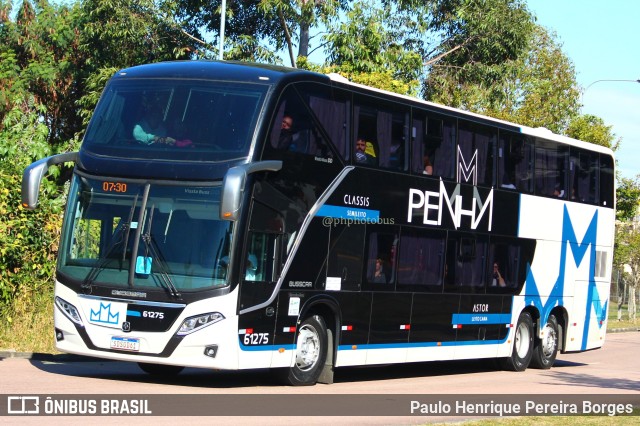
123, 33
477, 38
627, 244
363, 49
256, 29
590, 128
537, 89
42, 58
628, 199
627, 258
300, 16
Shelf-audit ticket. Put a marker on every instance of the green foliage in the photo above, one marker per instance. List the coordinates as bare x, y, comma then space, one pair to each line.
478, 38
28, 240
248, 48
364, 49
43, 43
536, 89
28, 244
590, 128
628, 199
123, 33
382, 79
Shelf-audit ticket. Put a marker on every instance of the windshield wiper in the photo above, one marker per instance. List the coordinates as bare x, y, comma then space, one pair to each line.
116, 240
151, 247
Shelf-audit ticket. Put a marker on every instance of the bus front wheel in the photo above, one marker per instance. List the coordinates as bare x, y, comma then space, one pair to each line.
311, 352
522, 345
546, 348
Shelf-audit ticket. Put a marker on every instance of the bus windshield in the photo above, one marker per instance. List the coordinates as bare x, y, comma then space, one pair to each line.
145, 236
170, 119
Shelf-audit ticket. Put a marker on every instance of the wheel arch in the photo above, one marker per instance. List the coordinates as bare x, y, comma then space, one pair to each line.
329, 309
561, 316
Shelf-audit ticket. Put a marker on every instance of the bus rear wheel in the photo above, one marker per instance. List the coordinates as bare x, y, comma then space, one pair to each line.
311, 353
160, 369
546, 348
522, 345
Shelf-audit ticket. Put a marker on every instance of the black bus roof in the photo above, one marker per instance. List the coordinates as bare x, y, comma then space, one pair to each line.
219, 70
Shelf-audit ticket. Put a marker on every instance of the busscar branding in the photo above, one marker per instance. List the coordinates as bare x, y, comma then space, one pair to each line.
128, 293
301, 284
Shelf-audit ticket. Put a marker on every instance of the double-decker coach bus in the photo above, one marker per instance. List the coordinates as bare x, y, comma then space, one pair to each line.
236, 216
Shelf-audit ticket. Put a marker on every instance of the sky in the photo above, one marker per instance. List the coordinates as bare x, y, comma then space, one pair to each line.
602, 38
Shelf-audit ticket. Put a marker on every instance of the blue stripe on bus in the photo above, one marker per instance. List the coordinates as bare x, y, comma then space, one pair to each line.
419, 344
267, 347
378, 345
481, 319
133, 314
348, 213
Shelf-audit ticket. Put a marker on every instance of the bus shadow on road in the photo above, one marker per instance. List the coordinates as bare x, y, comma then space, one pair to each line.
195, 377
563, 376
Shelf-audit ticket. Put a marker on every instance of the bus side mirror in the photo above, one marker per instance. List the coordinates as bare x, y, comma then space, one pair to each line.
33, 174
234, 183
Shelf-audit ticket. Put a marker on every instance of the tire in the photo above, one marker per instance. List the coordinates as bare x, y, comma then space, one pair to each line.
160, 369
311, 353
546, 349
522, 345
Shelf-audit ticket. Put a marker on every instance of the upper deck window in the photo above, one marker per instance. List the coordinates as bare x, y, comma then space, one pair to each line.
381, 133
309, 120
189, 120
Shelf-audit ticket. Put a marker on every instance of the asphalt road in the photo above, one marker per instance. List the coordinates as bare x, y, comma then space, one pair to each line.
608, 372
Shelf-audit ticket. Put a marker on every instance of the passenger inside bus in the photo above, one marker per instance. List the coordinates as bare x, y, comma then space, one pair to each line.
497, 280
364, 153
252, 268
150, 129
379, 275
428, 167
286, 138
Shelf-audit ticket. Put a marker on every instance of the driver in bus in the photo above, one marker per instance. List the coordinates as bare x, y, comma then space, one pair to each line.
151, 129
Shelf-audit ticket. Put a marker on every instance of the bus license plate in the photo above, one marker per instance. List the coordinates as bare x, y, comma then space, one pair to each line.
125, 343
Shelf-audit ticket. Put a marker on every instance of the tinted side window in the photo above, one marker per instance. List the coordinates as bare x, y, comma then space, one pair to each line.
295, 129
515, 162
345, 255
504, 265
476, 147
381, 256
606, 181
381, 133
465, 263
434, 144
583, 176
550, 169
331, 108
421, 259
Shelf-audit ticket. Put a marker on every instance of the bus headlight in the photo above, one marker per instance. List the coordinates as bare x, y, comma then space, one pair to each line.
198, 322
69, 310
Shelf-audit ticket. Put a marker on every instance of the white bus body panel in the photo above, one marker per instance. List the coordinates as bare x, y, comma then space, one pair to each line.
190, 351
574, 275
